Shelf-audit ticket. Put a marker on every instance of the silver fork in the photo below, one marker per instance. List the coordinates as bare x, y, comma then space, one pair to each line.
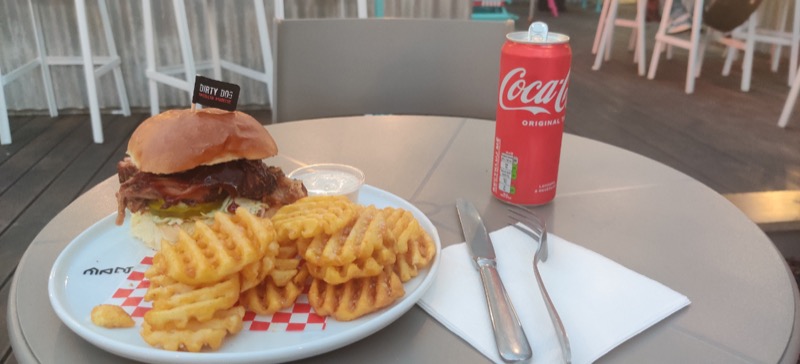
536, 228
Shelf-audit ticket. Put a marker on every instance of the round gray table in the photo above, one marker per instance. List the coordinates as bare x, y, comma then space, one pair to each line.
638, 212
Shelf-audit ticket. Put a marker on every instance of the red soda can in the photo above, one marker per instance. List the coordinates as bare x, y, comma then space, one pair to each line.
531, 104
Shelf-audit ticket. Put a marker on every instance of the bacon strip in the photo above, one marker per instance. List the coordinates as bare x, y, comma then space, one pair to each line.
240, 178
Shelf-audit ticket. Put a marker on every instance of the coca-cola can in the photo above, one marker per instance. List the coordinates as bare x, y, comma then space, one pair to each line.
531, 105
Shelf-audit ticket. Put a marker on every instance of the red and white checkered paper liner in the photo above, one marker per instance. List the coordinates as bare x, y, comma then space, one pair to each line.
130, 296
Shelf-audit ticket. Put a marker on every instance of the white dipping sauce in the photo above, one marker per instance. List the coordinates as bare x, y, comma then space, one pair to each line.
330, 179
330, 183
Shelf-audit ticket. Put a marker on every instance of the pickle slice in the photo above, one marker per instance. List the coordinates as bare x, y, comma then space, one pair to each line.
182, 210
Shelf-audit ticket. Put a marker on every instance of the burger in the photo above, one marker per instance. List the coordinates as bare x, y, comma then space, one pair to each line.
186, 165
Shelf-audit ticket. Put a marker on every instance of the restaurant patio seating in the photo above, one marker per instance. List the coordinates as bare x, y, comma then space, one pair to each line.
340, 67
190, 65
87, 59
664, 40
156, 74
745, 38
604, 36
717, 20
791, 99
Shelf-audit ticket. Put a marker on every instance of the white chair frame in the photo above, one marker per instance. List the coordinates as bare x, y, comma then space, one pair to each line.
745, 37
603, 39
110, 63
692, 44
157, 74
788, 106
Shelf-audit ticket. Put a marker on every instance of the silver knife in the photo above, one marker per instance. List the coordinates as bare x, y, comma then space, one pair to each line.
508, 334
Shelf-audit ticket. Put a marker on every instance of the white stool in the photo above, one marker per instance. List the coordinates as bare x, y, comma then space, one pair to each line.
692, 44
794, 38
603, 38
788, 106
216, 64
156, 74
794, 72
87, 60
746, 36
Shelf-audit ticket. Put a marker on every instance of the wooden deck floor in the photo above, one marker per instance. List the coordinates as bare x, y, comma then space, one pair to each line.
722, 137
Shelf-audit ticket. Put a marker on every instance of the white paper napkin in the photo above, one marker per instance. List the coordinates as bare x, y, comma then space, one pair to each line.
601, 303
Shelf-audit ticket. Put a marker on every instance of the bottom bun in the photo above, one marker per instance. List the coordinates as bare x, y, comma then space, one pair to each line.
151, 233
151, 230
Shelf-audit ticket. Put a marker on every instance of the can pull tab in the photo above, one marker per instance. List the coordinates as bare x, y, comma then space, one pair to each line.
537, 32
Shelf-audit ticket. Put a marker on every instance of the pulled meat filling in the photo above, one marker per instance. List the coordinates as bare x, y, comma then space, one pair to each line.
250, 179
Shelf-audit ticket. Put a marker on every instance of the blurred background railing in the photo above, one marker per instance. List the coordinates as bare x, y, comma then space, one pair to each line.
237, 33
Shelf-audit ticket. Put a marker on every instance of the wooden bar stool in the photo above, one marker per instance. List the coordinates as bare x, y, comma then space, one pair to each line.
692, 44
604, 36
93, 68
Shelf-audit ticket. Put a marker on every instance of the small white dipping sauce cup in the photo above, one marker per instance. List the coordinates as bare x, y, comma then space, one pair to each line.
329, 179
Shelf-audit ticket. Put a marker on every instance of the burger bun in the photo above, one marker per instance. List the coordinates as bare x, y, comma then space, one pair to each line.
151, 233
179, 140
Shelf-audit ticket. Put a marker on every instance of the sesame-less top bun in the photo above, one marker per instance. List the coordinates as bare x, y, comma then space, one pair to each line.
179, 140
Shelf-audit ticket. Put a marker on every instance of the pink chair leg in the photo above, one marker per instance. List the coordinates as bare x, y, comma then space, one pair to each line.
553, 7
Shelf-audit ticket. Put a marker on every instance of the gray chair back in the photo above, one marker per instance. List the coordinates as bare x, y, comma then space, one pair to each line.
344, 67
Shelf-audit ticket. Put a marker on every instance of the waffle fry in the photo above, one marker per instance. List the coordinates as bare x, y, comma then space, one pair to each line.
402, 225
252, 274
336, 275
269, 297
362, 240
111, 317
414, 247
196, 335
357, 251
284, 271
352, 259
162, 286
281, 267
312, 216
356, 297
175, 304
214, 252
286, 264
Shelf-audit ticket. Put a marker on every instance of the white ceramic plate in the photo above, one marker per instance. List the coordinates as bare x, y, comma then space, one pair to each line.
108, 248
